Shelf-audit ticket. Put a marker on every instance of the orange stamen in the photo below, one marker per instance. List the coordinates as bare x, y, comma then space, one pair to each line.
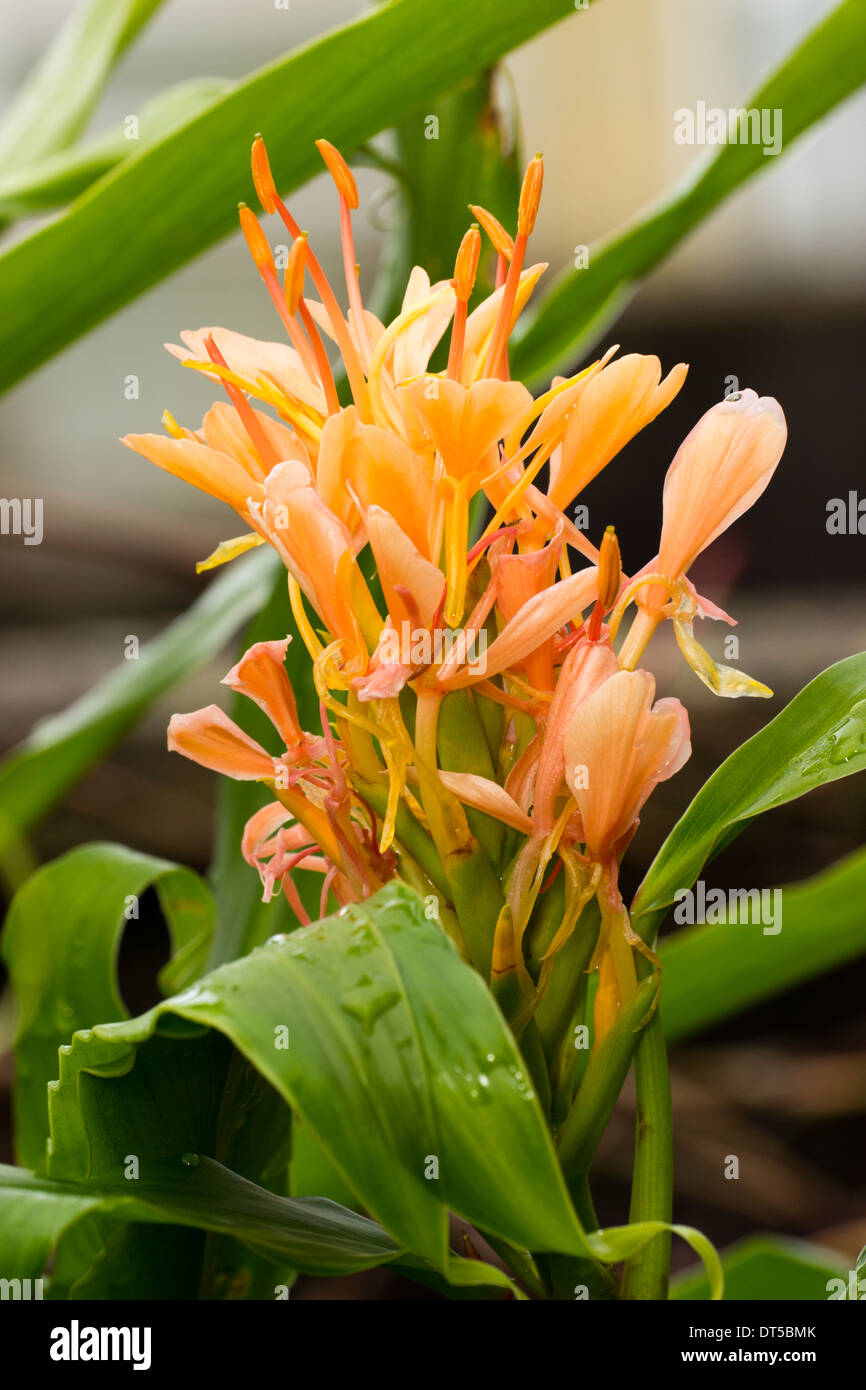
465, 270
262, 176
503, 244
339, 171
530, 194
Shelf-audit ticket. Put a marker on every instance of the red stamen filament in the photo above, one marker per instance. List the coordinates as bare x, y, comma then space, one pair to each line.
352, 363
251, 422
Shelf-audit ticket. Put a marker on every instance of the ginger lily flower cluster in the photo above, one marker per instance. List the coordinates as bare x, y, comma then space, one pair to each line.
481, 782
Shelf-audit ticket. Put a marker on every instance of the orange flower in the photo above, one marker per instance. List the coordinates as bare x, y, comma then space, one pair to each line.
720, 469
614, 405
618, 747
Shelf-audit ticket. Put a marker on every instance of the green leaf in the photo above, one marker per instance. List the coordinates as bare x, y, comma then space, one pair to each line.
769, 1268
435, 1112
819, 737
60, 945
823, 71
54, 103
176, 198
314, 1235
59, 177
715, 971
381, 1011
40, 771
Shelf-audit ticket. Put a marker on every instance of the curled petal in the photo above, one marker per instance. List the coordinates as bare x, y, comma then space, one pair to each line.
209, 737
486, 796
618, 747
720, 469
537, 620
614, 405
215, 473
261, 676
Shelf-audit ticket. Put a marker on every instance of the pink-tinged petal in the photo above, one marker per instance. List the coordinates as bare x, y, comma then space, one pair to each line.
586, 667
376, 467
315, 546
615, 405
518, 578
224, 431
261, 676
217, 474
720, 469
209, 737
487, 796
262, 826
252, 358
413, 587
621, 748
383, 683
537, 620
464, 423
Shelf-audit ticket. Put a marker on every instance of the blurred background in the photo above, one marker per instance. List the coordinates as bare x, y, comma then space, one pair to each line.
771, 291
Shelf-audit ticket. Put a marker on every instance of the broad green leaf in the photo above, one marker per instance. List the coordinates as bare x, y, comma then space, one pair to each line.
770, 1268
177, 197
817, 738
822, 72
59, 177
714, 971
53, 104
373, 1006
60, 946
314, 1235
41, 770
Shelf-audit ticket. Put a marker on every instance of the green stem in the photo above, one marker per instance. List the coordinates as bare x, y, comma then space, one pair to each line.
647, 1273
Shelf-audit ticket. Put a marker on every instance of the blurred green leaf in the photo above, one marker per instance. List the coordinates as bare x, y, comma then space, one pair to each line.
314, 1235
173, 200
59, 177
822, 72
768, 1268
817, 738
41, 770
52, 106
714, 971
60, 945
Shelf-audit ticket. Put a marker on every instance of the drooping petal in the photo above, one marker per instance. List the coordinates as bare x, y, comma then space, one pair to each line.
617, 748
615, 404
537, 620
213, 472
720, 469
485, 795
412, 585
223, 430
587, 666
315, 546
261, 676
209, 737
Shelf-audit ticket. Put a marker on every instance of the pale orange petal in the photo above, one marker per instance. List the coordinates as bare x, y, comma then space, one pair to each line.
720, 469
209, 737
